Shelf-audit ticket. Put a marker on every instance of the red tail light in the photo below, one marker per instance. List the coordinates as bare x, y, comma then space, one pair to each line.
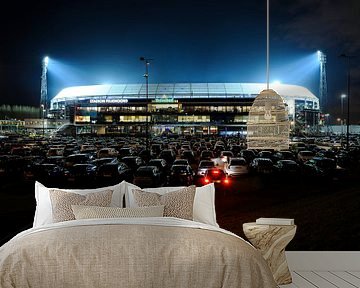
206, 180
215, 171
227, 181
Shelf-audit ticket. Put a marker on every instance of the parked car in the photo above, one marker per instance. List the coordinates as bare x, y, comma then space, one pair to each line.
305, 155
287, 167
248, 154
133, 162
161, 165
225, 156
204, 165
81, 173
236, 167
261, 166
283, 155
344, 160
297, 147
218, 148
216, 176
185, 147
107, 152
81, 158
70, 150
101, 161
181, 175
147, 176
235, 148
145, 155
55, 151
320, 166
155, 149
189, 155
168, 155
266, 154
326, 153
126, 151
45, 173
88, 148
58, 160
206, 155
114, 173
20, 151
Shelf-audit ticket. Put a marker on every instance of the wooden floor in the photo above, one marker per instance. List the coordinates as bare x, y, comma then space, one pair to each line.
324, 279
324, 269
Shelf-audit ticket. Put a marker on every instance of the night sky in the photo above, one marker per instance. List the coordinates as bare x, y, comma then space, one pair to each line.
100, 42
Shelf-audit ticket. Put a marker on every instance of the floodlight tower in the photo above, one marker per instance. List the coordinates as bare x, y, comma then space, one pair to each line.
43, 91
146, 75
323, 81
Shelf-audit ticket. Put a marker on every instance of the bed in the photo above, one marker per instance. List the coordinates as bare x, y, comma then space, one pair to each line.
138, 247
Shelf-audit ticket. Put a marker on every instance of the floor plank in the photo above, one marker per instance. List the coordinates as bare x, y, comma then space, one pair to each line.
337, 281
300, 281
316, 280
348, 277
355, 273
292, 285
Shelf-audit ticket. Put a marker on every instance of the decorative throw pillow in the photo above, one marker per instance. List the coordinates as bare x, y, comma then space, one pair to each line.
61, 202
43, 212
204, 202
91, 212
177, 203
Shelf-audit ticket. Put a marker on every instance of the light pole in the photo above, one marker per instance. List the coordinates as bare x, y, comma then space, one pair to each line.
323, 81
43, 92
146, 75
43, 119
327, 120
343, 96
348, 97
339, 120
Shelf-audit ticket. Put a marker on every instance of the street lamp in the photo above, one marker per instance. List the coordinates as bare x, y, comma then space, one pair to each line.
339, 120
43, 119
343, 96
146, 75
327, 122
348, 97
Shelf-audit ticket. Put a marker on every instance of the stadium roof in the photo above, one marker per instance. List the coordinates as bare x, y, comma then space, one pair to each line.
182, 90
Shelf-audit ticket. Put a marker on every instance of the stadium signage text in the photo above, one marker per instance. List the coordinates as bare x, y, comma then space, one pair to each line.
165, 100
113, 101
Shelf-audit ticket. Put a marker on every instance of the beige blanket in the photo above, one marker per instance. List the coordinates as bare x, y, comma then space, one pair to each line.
164, 252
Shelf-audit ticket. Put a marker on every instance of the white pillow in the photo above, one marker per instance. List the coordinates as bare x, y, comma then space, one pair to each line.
43, 212
204, 202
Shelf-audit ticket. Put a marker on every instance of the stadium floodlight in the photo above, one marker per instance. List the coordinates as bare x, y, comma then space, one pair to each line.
321, 57
46, 60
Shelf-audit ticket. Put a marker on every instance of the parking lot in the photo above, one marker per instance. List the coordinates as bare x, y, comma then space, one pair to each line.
322, 197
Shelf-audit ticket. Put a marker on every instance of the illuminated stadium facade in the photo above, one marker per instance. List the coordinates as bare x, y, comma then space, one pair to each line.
180, 108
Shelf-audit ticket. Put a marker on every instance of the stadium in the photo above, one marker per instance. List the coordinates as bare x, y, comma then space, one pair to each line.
179, 108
